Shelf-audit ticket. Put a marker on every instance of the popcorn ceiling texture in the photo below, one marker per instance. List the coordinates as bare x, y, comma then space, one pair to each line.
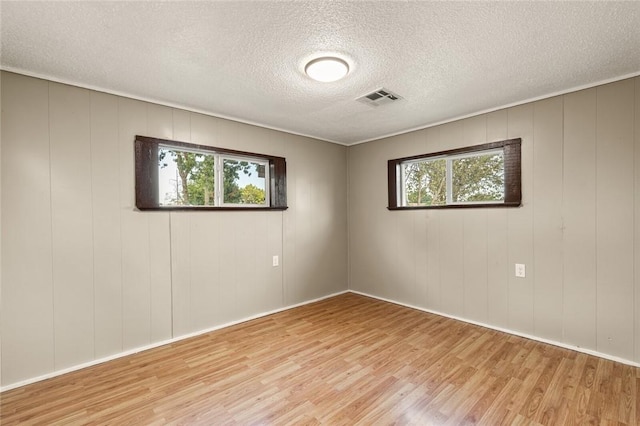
245, 60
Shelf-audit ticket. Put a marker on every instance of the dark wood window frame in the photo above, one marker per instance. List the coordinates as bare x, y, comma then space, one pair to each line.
512, 175
146, 175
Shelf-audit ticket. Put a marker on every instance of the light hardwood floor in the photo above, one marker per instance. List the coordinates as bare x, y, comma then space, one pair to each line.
345, 360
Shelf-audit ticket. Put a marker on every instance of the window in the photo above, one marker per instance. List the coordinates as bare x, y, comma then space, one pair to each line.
478, 176
178, 175
244, 181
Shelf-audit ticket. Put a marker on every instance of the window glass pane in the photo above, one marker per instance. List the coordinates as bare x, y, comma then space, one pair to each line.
478, 178
425, 183
185, 178
244, 181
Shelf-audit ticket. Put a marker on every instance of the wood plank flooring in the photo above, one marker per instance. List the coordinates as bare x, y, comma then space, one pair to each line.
342, 361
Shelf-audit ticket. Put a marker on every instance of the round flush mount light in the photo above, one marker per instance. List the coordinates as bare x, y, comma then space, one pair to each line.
327, 69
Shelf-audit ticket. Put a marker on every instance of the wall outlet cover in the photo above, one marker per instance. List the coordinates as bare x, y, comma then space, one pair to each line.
520, 270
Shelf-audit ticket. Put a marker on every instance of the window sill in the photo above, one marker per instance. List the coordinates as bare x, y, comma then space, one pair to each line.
458, 206
212, 208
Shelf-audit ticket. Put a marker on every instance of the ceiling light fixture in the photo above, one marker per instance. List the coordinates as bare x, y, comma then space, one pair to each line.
327, 69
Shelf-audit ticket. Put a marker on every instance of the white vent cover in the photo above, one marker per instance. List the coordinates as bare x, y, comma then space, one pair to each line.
380, 97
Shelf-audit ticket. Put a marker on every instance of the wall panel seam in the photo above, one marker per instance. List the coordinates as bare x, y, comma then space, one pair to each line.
120, 210
171, 307
53, 282
562, 222
93, 220
149, 279
635, 189
595, 196
532, 222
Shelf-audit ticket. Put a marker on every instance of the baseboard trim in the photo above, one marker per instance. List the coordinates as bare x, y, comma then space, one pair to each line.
505, 330
161, 343
275, 311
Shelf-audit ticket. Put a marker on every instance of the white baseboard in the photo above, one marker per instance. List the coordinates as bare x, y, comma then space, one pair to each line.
157, 344
263, 314
506, 330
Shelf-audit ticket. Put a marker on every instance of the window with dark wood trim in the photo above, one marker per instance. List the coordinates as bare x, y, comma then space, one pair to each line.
172, 175
487, 175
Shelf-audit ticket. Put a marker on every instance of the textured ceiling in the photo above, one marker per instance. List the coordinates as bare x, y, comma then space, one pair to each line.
245, 60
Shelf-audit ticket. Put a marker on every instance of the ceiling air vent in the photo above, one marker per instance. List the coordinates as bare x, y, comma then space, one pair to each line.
380, 97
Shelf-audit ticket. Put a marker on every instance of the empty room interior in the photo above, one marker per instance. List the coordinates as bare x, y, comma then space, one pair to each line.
320, 213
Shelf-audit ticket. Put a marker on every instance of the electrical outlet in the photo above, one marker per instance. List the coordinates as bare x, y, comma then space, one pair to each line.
276, 261
520, 270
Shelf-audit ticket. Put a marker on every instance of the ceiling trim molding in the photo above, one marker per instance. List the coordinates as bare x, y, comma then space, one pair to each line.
158, 102
262, 125
514, 104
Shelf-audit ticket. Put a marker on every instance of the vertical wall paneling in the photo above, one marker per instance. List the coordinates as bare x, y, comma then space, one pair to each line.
159, 121
579, 219
614, 187
432, 285
408, 246
204, 259
239, 135
547, 217
497, 125
390, 270
315, 223
520, 225
368, 210
250, 283
229, 265
475, 265
85, 275
159, 124
181, 273
0, 227
273, 275
382, 250
107, 252
132, 120
334, 222
452, 262
107, 244
497, 268
160, 276
412, 250
420, 256
123, 285
573, 231
475, 238
206, 130
360, 276
27, 282
303, 232
254, 286
403, 256
181, 125
452, 238
179, 244
72, 224
432, 222
636, 245
289, 251
497, 253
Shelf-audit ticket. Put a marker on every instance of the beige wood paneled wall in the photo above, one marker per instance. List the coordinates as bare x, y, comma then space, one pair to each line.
86, 276
578, 231
0, 227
